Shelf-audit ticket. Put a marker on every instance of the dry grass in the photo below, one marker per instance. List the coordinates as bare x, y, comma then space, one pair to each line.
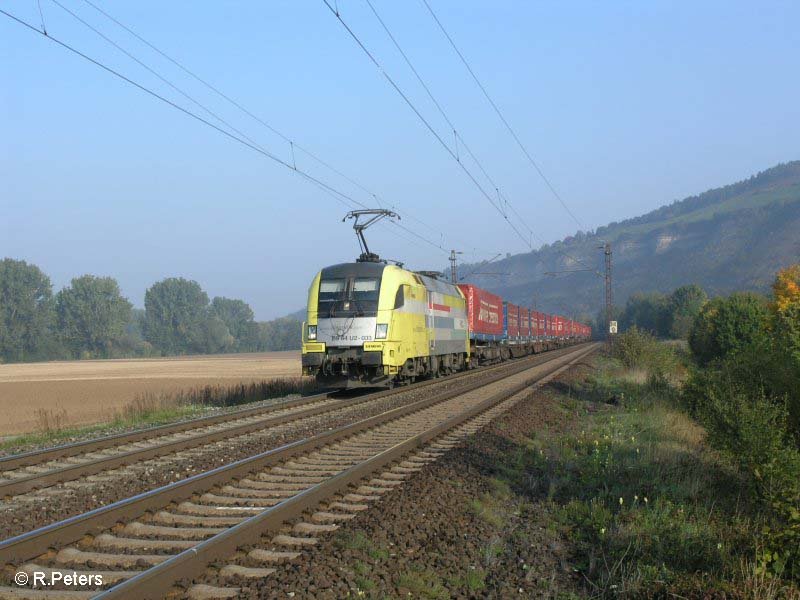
148, 404
54, 395
48, 420
145, 406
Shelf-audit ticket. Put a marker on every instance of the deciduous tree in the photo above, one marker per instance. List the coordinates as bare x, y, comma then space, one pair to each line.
92, 315
26, 309
684, 305
239, 319
175, 311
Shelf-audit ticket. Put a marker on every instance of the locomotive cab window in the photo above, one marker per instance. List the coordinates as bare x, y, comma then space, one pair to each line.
331, 290
366, 289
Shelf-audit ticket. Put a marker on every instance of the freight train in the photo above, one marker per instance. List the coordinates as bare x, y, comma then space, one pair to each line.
376, 324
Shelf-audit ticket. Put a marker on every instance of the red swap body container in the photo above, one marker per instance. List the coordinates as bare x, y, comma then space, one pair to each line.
511, 312
484, 310
524, 322
540, 331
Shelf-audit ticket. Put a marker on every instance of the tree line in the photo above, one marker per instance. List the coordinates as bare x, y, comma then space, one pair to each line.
90, 318
664, 315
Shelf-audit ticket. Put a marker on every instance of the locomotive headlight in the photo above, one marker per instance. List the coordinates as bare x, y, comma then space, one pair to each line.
381, 329
312, 332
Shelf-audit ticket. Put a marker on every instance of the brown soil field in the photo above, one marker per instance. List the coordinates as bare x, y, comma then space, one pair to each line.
91, 391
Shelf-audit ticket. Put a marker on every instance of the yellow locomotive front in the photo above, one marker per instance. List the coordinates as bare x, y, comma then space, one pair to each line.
373, 324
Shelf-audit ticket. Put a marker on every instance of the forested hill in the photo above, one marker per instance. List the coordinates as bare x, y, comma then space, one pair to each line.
730, 238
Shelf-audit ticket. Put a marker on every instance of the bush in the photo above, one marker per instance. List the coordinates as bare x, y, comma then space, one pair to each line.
747, 404
727, 325
753, 432
758, 370
638, 349
745, 393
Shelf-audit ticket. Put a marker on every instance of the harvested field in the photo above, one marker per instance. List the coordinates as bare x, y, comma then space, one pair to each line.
91, 391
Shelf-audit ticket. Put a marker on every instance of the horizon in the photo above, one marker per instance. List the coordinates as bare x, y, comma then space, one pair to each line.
243, 228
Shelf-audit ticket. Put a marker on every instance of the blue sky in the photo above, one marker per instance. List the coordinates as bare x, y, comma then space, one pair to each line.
626, 106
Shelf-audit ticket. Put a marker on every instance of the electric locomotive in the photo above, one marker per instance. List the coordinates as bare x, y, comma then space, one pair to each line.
371, 323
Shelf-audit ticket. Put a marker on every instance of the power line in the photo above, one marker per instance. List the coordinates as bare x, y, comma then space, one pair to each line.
503, 119
340, 196
420, 116
416, 235
183, 110
498, 206
41, 16
228, 98
158, 75
502, 201
386, 227
456, 135
479, 265
293, 144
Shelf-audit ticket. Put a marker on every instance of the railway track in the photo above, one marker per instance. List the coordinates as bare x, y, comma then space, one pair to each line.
36, 470
253, 515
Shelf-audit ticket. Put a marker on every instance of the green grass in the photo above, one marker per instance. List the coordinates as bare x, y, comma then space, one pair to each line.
474, 580
485, 509
423, 583
647, 507
365, 584
359, 541
492, 507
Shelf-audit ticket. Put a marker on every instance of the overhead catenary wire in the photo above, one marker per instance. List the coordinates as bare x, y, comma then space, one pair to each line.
340, 196
479, 265
502, 201
237, 104
346, 199
421, 117
504, 120
41, 16
387, 226
183, 110
456, 135
159, 76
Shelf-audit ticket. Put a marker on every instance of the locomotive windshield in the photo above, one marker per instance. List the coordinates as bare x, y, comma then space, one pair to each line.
332, 289
364, 295
350, 297
366, 289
